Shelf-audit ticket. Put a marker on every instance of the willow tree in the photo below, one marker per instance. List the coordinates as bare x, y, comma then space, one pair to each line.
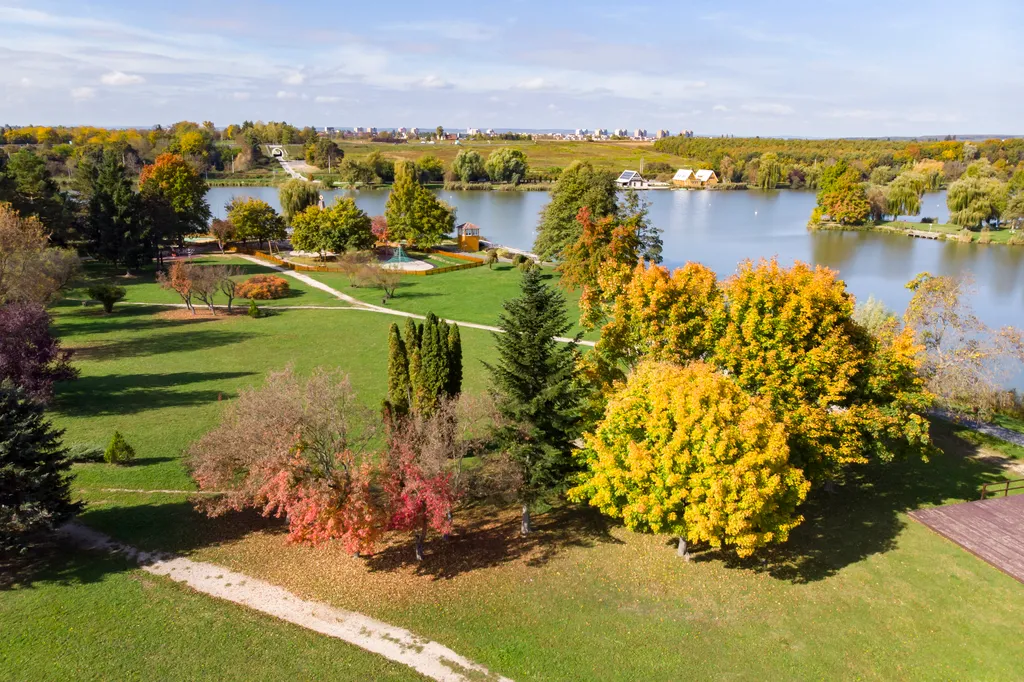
973, 200
296, 196
903, 195
769, 171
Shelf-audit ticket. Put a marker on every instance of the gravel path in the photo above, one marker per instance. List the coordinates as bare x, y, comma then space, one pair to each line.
429, 658
360, 305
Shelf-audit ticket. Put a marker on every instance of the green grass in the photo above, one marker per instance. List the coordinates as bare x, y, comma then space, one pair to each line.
141, 287
87, 616
859, 592
999, 445
1000, 236
472, 295
1008, 422
161, 382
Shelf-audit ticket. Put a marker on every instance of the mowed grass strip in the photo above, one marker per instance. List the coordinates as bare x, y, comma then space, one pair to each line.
141, 285
161, 378
89, 616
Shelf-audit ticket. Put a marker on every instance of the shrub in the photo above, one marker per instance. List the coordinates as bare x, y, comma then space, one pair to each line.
263, 287
107, 294
929, 220
85, 452
527, 265
254, 310
519, 259
119, 451
504, 253
985, 237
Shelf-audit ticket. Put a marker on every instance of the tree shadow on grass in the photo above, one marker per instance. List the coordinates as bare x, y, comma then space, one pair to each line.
77, 320
158, 344
132, 393
174, 527
486, 538
865, 516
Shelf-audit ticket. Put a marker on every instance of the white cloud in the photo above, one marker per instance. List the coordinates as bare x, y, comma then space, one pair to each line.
433, 81
121, 78
295, 78
448, 29
25, 82
534, 84
719, 107
240, 96
284, 94
769, 108
326, 99
83, 93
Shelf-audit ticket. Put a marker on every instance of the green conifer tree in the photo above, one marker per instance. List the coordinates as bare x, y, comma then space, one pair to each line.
454, 386
35, 490
399, 388
535, 388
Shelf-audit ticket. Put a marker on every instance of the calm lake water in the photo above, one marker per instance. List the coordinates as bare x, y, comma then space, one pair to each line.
720, 229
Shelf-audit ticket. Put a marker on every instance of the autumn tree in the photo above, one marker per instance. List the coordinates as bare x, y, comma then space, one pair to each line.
178, 278
35, 479
255, 219
297, 449
579, 185
535, 389
30, 357
295, 196
324, 153
966, 361
174, 182
223, 231
413, 213
31, 271
841, 196
684, 451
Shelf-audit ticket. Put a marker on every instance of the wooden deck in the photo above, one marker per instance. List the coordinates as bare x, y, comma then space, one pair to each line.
992, 530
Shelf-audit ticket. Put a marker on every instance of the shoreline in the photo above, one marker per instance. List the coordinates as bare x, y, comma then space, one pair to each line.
934, 231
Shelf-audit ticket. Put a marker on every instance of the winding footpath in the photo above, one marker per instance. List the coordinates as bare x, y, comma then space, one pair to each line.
360, 305
428, 658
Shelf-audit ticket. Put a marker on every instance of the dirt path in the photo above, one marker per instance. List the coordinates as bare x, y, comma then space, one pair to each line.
360, 305
429, 658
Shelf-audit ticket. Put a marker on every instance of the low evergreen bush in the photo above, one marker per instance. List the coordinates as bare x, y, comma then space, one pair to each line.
119, 451
107, 295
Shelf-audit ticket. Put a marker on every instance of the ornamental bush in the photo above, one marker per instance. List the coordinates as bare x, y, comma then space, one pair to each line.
119, 451
107, 294
263, 287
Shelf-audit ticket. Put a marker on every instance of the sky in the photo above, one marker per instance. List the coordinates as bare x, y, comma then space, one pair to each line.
794, 68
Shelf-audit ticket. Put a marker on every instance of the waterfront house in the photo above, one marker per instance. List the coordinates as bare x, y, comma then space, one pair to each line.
684, 178
631, 178
706, 178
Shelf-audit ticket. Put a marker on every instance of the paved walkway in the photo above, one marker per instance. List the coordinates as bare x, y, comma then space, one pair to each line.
992, 530
989, 429
360, 305
431, 659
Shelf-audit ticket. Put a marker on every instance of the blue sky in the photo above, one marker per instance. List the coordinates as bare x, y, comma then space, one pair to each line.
746, 68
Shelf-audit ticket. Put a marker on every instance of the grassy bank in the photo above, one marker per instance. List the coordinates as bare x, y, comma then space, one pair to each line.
940, 231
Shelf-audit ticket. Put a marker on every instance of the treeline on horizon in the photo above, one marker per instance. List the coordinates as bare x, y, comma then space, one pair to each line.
801, 161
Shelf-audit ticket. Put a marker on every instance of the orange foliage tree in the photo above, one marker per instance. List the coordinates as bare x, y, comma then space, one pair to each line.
176, 195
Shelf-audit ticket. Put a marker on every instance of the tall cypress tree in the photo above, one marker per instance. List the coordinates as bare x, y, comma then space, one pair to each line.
412, 335
399, 388
535, 388
433, 374
35, 490
454, 386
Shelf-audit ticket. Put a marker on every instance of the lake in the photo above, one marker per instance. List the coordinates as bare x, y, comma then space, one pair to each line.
720, 229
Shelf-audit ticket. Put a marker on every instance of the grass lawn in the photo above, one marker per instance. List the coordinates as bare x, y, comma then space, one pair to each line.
1008, 422
142, 287
473, 295
989, 442
859, 592
89, 616
1000, 236
160, 380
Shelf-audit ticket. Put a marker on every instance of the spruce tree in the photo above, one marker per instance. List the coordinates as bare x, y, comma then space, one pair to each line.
454, 386
116, 228
399, 389
535, 388
35, 490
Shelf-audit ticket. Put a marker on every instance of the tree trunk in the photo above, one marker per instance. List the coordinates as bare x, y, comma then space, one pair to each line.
420, 538
681, 549
526, 526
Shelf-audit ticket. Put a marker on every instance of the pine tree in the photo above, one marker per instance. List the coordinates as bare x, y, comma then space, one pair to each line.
399, 389
454, 386
35, 490
534, 384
